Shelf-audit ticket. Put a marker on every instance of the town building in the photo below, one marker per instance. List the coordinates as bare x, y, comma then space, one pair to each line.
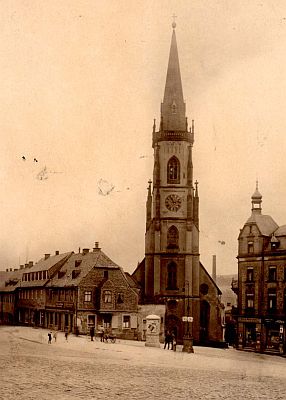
94, 291
74, 292
171, 274
261, 284
9, 281
30, 299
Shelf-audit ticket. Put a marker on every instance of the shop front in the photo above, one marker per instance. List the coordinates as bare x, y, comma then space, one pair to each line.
249, 334
275, 336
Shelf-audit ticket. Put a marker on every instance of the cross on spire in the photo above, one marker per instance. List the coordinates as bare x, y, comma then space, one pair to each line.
174, 21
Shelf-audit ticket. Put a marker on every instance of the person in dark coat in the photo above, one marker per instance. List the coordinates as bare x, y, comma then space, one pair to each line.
167, 340
91, 333
66, 333
50, 338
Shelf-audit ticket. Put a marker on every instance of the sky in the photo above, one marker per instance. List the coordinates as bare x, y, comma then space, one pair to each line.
82, 81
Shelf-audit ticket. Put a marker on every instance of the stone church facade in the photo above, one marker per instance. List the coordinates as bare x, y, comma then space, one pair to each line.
171, 273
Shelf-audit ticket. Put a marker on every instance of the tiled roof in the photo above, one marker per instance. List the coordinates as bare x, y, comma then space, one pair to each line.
13, 278
210, 277
281, 231
86, 263
265, 223
43, 265
132, 282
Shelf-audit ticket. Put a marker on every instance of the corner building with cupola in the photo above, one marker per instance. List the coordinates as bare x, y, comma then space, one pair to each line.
171, 277
261, 285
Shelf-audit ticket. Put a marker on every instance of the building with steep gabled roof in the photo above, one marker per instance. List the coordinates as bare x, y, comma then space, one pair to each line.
31, 293
72, 291
91, 290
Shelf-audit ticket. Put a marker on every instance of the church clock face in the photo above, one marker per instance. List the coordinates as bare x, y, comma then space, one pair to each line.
173, 202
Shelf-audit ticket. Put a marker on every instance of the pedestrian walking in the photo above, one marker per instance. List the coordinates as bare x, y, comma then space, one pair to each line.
174, 342
66, 333
50, 338
91, 333
55, 335
167, 339
101, 333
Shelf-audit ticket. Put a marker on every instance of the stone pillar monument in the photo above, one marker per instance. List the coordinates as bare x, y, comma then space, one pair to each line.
153, 331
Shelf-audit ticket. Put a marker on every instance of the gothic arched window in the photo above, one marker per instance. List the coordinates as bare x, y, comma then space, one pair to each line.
172, 276
173, 238
173, 170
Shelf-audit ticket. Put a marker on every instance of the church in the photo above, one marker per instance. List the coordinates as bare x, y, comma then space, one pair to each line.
174, 284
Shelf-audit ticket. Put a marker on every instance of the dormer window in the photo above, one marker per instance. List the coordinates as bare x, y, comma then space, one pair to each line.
75, 273
77, 263
274, 242
61, 274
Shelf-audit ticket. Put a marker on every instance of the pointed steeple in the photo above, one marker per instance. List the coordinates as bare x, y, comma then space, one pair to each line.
173, 108
256, 200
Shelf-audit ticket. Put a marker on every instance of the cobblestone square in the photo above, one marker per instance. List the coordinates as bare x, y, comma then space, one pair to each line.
81, 369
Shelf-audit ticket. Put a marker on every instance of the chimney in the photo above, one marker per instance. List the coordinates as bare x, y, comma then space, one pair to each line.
26, 265
57, 252
15, 269
96, 247
21, 266
30, 264
214, 268
47, 256
11, 269
7, 269
85, 251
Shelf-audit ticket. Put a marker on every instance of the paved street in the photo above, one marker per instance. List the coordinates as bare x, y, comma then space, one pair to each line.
81, 369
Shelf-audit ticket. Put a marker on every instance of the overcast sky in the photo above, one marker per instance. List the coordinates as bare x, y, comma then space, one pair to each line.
81, 82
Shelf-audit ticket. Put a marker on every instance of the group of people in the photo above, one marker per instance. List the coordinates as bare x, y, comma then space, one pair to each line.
55, 334
170, 341
50, 335
102, 334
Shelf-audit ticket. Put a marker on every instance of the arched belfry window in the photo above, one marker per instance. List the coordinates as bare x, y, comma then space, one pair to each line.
173, 238
172, 276
173, 170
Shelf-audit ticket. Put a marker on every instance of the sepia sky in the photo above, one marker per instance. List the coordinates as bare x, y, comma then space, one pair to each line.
82, 81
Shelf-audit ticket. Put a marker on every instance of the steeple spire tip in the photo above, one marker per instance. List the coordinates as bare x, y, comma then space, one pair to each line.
174, 21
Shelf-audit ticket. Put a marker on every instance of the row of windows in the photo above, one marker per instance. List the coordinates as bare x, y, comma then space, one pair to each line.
250, 246
31, 294
271, 299
35, 276
271, 274
61, 295
107, 297
106, 323
7, 298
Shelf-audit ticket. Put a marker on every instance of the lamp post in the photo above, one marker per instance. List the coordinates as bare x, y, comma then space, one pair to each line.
188, 337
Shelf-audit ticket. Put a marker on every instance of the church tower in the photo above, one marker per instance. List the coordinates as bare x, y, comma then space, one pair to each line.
172, 208
174, 284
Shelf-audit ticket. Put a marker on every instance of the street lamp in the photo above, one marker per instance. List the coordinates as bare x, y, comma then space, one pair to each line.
188, 337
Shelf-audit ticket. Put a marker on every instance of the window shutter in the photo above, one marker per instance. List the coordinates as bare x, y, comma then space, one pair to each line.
133, 321
114, 321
